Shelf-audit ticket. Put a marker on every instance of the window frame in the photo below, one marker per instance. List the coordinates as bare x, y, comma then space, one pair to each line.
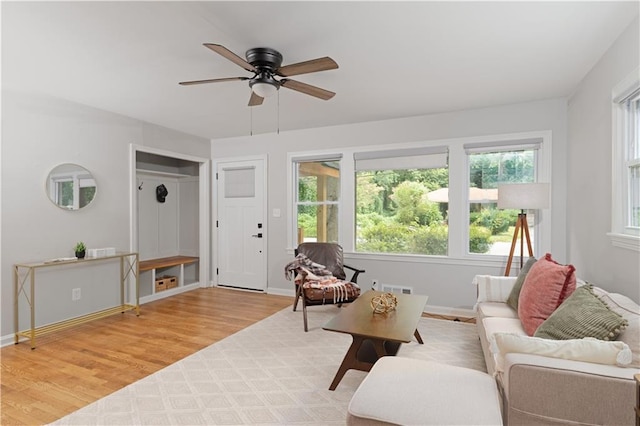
292, 181
621, 234
458, 196
536, 146
432, 157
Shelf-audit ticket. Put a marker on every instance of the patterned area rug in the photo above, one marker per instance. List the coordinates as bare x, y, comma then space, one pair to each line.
269, 373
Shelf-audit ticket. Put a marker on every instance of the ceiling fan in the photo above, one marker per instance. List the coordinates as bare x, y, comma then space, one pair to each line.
265, 64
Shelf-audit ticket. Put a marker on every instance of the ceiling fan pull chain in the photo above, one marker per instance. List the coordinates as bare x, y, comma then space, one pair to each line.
278, 113
251, 121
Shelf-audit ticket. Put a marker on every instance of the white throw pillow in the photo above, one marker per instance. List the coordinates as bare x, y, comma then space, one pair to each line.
492, 288
587, 349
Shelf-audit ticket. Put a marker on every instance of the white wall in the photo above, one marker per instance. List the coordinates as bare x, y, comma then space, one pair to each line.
448, 285
589, 164
39, 133
169, 228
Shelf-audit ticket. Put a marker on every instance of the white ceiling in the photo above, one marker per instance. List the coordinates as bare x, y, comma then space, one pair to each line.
396, 59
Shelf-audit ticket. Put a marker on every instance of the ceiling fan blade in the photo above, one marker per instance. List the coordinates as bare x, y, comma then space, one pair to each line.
255, 100
223, 51
212, 80
307, 89
314, 65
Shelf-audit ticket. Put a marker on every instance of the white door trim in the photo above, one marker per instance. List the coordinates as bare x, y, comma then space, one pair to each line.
214, 212
204, 182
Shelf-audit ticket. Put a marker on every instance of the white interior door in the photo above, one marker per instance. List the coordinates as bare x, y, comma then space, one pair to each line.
241, 225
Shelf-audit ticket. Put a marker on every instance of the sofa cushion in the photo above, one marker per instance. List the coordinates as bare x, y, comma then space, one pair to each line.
408, 391
587, 349
583, 314
630, 311
496, 309
502, 325
512, 300
546, 286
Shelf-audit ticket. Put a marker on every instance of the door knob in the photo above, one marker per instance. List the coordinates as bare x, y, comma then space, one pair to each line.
258, 235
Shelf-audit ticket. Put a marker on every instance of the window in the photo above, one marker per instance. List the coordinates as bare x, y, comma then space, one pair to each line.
433, 201
626, 164
399, 202
632, 162
490, 229
317, 200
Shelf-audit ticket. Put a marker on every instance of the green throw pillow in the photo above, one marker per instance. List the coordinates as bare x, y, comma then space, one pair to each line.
583, 314
512, 300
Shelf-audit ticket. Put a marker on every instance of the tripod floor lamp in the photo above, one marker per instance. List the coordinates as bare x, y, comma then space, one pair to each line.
522, 196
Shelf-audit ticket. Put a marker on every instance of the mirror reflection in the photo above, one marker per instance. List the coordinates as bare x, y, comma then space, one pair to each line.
70, 186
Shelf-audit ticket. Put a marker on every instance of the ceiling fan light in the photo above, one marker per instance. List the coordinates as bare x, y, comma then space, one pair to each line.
263, 89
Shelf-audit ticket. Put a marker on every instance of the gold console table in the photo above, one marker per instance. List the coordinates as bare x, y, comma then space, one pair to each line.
25, 273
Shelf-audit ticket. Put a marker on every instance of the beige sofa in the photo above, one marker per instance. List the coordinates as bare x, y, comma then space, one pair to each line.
541, 390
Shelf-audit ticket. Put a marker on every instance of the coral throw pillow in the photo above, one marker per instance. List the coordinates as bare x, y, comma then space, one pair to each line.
546, 286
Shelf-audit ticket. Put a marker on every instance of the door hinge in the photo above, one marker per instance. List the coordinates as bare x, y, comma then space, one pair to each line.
217, 271
216, 175
216, 223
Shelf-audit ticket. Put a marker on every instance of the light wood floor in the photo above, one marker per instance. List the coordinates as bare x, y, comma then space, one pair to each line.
74, 367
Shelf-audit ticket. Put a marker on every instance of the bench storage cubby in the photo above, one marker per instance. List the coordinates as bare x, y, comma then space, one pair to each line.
166, 273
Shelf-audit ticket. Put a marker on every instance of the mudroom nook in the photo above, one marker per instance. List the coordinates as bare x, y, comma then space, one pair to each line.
168, 223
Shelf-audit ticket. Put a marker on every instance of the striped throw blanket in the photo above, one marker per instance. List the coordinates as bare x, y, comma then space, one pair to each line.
313, 275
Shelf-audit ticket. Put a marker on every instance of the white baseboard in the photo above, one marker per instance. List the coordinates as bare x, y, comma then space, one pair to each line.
452, 312
430, 309
281, 292
9, 339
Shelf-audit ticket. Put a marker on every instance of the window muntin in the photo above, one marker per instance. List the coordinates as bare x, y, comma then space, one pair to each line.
317, 200
395, 212
490, 229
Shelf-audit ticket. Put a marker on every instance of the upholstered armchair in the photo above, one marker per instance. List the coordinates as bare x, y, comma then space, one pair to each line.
326, 290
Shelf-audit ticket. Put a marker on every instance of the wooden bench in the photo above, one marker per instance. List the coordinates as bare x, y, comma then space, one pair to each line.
160, 263
166, 262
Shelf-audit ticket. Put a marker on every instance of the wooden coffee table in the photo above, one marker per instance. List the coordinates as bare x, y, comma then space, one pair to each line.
375, 335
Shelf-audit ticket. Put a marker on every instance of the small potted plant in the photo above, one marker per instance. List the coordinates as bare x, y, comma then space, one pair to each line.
80, 249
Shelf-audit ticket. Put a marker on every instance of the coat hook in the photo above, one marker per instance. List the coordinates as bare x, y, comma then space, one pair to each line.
140, 187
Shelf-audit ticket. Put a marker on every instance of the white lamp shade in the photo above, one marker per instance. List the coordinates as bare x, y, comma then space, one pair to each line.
264, 90
523, 196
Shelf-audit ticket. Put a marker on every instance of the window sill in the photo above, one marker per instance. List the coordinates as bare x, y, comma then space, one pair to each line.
479, 260
629, 242
476, 260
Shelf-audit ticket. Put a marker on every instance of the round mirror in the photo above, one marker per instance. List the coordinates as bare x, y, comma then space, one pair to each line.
71, 187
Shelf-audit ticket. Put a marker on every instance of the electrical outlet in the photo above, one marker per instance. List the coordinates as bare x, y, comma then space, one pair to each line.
75, 294
374, 284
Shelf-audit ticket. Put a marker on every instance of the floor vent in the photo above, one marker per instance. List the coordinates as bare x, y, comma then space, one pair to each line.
388, 288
